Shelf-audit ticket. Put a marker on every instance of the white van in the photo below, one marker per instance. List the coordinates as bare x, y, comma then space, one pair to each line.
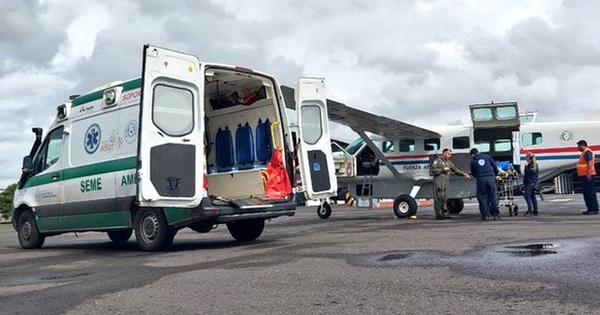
188, 144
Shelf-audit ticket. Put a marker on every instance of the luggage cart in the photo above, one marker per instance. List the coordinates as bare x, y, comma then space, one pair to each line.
507, 183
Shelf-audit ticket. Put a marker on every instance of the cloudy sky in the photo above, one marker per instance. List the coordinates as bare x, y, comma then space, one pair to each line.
419, 61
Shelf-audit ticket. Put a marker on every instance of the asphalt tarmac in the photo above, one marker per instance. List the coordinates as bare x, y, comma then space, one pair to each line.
359, 261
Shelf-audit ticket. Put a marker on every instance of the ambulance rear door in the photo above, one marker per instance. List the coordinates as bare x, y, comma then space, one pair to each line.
317, 169
169, 167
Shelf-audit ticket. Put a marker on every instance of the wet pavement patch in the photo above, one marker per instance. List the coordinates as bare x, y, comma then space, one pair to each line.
395, 256
531, 250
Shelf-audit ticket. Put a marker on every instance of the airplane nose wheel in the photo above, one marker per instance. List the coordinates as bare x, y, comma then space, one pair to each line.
324, 210
405, 206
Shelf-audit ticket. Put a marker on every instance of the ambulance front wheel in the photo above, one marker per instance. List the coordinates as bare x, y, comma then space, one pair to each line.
455, 206
405, 206
324, 210
28, 233
152, 231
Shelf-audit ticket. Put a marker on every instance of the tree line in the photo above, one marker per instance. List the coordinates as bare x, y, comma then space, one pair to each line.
6, 201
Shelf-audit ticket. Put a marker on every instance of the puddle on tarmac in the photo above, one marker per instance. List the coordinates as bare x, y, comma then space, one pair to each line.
531, 250
394, 256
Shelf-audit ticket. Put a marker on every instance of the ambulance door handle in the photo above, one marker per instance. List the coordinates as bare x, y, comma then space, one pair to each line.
55, 177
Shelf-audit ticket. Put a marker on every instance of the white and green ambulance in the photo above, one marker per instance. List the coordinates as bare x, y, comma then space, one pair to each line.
188, 144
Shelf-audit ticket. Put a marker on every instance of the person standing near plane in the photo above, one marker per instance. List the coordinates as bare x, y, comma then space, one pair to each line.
586, 171
530, 180
483, 167
441, 169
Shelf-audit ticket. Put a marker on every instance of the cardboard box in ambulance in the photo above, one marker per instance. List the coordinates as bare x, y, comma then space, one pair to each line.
188, 144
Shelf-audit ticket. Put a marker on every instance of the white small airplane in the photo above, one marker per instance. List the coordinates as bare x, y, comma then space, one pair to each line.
391, 159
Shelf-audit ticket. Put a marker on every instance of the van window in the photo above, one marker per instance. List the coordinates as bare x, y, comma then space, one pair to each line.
407, 145
173, 110
460, 143
50, 151
532, 138
502, 145
312, 129
388, 146
432, 144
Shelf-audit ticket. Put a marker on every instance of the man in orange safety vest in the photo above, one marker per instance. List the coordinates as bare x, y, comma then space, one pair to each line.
586, 171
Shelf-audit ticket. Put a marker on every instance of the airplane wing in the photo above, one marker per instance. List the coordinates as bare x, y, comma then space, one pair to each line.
362, 121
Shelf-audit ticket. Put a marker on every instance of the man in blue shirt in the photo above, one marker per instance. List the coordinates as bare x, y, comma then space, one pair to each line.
483, 167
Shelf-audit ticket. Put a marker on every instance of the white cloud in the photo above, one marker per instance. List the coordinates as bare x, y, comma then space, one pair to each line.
420, 61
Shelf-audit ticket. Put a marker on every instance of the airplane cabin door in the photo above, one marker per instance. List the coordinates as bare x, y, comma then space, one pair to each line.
170, 145
317, 169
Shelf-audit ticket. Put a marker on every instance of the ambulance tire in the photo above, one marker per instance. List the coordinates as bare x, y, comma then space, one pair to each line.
405, 206
119, 236
455, 206
324, 210
29, 235
246, 230
152, 231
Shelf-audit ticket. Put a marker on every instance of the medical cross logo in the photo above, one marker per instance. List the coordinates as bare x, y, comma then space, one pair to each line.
91, 142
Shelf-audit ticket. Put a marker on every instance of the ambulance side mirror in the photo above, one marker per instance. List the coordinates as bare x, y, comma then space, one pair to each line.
27, 165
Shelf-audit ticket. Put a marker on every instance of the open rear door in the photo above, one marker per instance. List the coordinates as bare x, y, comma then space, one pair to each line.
316, 161
494, 129
171, 127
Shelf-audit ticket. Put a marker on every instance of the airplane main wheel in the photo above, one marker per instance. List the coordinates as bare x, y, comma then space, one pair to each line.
324, 210
119, 236
405, 206
455, 206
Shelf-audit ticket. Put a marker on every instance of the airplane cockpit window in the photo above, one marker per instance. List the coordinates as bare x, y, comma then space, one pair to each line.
532, 138
432, 144
407, 145
502, 145
483, 146
460, 143
388, 146
482, 114
506, 112
355, 145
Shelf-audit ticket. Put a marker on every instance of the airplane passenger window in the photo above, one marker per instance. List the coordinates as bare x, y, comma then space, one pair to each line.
506, 112
482, 114
531, 138
502, 145
406, 145
483, 146
432, 144
460, 143
388, 146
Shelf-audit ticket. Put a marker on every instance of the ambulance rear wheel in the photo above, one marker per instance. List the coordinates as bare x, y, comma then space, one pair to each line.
119, 236
151, 229
29, 235
247, 230
405, 206
455, 206
324, 210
